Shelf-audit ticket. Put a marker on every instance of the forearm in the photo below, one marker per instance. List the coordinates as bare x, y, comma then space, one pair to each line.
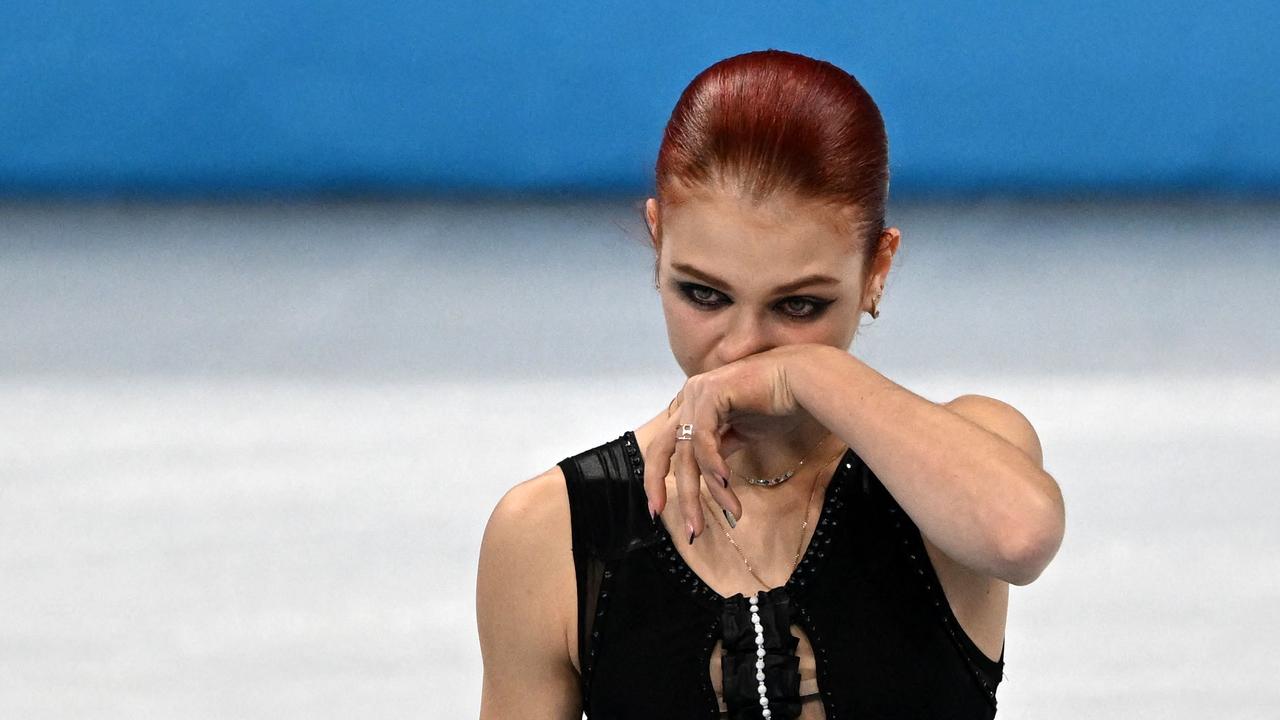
978, 497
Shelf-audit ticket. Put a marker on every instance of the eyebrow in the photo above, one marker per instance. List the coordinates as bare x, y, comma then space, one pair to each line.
787, 287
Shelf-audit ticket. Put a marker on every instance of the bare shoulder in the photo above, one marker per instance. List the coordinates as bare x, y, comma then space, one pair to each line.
527, 548
525, 575
1002, 419
532, 504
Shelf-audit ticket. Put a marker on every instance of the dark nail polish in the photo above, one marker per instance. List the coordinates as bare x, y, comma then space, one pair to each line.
690, 537
724, 481
653, 516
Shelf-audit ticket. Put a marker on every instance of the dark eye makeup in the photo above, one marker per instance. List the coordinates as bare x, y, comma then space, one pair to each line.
700, 296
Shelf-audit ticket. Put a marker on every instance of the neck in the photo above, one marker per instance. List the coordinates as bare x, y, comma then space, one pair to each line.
768, 453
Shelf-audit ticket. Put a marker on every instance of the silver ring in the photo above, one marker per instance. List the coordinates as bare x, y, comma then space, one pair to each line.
684, 432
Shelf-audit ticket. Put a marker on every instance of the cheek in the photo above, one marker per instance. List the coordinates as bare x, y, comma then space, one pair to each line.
688, 329
678, 325
839, 333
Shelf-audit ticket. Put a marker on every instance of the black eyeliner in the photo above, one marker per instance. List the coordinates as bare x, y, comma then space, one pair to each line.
819, 305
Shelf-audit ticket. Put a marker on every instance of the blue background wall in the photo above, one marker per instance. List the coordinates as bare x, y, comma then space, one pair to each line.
182, 98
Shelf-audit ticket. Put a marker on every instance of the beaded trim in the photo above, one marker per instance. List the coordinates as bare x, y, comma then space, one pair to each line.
814, 555
822, 538
832, 512
704, 661
589, 663
602, 602
675, 566
913, 547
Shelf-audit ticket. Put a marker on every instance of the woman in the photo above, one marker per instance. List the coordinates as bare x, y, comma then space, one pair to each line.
838, 546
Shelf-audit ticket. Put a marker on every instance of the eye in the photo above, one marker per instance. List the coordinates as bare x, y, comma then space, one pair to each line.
816, 307
795, 308
700, 295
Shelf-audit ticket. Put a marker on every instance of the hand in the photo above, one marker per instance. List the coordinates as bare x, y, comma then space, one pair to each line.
711, 401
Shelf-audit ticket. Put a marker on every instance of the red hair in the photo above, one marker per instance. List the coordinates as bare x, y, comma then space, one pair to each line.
770, 122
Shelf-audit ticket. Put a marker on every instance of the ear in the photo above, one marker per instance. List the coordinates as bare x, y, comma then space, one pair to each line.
651, 217
890, 239
886, 249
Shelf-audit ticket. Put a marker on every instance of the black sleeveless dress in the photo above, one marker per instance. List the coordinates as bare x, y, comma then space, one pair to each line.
886, 643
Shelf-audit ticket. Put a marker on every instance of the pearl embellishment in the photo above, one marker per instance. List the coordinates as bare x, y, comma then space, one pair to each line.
759, 628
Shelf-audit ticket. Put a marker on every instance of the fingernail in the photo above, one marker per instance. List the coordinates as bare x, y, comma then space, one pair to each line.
690, 534
728, 516
653, 516
724, 481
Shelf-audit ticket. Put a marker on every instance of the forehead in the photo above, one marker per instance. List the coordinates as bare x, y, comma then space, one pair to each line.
776, 238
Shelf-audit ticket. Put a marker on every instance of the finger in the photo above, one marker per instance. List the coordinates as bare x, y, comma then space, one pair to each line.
657, 463
710, 417
688, 477
730, 443
707, 450
688, 488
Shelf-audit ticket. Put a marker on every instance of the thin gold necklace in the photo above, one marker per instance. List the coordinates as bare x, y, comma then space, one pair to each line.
803, 526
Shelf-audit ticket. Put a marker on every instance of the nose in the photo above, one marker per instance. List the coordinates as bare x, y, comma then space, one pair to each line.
746, 335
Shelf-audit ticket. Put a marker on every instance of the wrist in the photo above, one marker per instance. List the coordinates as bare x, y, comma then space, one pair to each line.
803, 367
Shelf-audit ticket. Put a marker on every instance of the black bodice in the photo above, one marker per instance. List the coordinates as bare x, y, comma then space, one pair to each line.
886, 643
